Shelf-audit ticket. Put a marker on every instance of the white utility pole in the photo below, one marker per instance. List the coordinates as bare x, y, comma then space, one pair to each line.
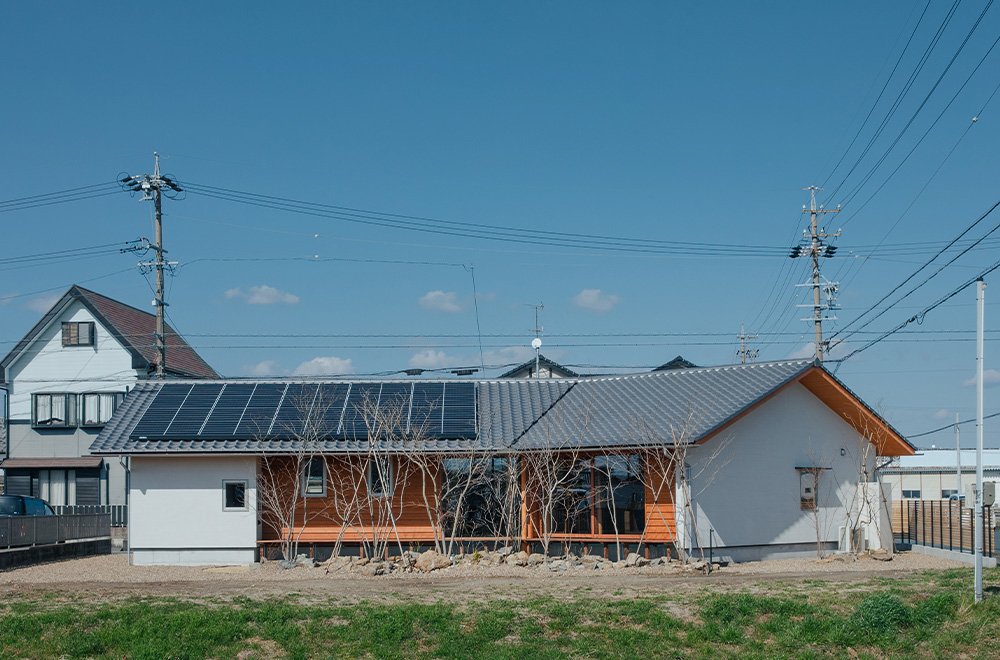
816, 248
958, 457
151, 188
980, 313
746, 354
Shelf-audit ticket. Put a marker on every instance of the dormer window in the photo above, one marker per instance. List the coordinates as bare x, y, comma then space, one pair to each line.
78, 333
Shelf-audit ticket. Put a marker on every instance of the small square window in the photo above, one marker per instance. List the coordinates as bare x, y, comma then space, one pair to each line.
235, 496
78, 333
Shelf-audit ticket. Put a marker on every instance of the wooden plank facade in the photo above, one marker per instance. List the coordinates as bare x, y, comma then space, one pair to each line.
344, 512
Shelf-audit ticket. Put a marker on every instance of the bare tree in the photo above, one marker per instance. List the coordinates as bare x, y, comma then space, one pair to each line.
552, 469
674, 463
290, 484
616, 478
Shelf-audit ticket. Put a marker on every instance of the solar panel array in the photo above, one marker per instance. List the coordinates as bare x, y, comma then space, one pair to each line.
222, 411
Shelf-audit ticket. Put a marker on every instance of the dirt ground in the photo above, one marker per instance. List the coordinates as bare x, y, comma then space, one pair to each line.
110, 577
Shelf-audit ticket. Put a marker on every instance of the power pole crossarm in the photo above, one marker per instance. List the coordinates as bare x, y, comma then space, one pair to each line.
152, 187
817, 247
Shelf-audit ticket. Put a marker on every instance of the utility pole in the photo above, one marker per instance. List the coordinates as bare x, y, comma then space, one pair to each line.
536, 343
151, 187
958, 457
746, 354
980, 313
817, 247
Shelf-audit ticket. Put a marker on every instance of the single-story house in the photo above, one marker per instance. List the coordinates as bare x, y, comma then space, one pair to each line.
747, 461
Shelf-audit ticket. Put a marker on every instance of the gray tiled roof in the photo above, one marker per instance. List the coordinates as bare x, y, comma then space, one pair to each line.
534, 413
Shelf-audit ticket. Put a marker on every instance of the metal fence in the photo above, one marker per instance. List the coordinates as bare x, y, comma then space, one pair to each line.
946, 524
20, 531
118, 512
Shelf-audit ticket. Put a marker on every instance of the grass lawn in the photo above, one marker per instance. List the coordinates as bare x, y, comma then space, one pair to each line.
929, 615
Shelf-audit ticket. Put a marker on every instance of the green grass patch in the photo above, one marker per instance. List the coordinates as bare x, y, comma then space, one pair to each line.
923, 616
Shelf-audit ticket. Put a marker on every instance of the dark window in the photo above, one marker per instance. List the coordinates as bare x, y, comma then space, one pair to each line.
572, 503
10, 506
491, 504
33, 507
236, 495
88, 486
77, 333
53, 409
99, 407
314, 478
381, 477
948, 492
911, 494
619, 494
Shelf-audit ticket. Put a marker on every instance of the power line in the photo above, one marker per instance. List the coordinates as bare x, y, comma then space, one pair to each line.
916, 272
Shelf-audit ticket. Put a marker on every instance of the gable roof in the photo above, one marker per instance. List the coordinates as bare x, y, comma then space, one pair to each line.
133, 328
677, 363
686, 405
529, 366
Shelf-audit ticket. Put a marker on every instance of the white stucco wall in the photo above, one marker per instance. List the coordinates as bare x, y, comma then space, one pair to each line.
750, 493
176, 511
48, 366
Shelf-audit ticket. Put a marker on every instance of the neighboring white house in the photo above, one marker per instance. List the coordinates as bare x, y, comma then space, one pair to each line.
65, 379
780, 457
932, 474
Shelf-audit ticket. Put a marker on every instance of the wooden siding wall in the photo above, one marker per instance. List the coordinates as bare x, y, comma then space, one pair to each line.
323, 523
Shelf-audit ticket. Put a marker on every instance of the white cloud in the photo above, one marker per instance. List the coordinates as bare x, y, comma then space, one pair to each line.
325, 366
265, 368
263, 295
991, 378
510, 355
43, 304
7, 298
941, 414
595, 300
431, 359
440, 301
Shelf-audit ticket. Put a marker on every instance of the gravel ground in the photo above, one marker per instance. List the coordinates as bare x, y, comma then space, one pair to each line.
110, 576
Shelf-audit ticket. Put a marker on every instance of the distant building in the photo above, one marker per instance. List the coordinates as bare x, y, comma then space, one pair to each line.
65, 379
546, 369
677, 363
932, 474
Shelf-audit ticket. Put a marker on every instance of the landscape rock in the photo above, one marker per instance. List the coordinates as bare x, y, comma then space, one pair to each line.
285, 564
534, 559
505, 551
432, 561
635, 560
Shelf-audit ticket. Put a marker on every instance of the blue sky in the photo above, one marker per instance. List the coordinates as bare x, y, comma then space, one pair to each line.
650, 121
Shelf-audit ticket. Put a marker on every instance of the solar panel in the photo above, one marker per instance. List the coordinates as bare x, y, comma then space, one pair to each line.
329, 407
228, 411
161, 411
296, 407
425, 411
459, 410
259, 413
362, 398
394, 403
193, 411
